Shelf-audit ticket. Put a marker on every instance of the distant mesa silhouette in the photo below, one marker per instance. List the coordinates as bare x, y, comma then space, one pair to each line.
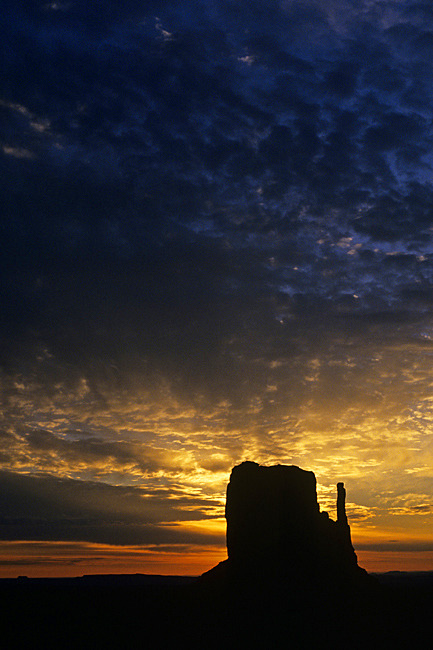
277, 534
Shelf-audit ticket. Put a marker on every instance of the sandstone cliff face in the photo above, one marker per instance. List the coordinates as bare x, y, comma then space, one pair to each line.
275, 530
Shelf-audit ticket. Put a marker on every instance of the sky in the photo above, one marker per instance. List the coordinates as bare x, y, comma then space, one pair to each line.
217, 246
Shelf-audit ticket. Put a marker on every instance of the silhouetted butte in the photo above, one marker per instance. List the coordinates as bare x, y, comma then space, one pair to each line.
276, 533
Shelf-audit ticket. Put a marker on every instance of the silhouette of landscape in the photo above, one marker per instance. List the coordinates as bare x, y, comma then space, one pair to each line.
291, 579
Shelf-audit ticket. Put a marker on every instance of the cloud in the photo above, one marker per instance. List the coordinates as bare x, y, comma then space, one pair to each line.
397, 547
47, 508
217, 245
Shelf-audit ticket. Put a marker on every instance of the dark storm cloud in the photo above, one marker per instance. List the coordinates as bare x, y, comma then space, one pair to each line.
161, 148
48, 508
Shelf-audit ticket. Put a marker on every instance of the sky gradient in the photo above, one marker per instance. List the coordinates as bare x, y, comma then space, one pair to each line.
217, 246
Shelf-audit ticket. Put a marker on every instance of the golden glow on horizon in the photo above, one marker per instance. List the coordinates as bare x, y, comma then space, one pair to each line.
70, 559
382, 448
380, 562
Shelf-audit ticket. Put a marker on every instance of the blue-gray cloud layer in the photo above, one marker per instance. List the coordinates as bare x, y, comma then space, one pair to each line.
216, 197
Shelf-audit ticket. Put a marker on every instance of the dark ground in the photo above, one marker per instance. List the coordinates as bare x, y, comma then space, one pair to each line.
162, 612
